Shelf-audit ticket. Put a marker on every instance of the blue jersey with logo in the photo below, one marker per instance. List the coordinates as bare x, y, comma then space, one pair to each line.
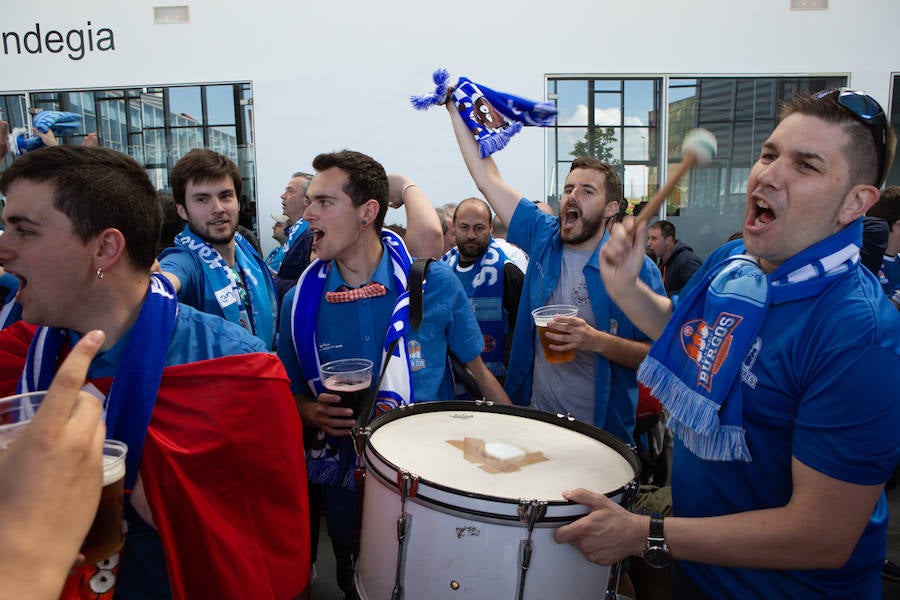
820, 384
889, 275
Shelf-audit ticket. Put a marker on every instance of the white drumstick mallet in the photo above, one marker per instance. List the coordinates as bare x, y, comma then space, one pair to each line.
698, 148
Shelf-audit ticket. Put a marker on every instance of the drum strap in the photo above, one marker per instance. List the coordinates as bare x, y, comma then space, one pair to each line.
461, 374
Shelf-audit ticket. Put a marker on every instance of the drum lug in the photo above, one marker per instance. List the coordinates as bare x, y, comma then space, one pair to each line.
360, 436
530, 512
408, 485
630, 493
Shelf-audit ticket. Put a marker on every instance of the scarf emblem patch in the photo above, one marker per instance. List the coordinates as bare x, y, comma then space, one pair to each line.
708, 344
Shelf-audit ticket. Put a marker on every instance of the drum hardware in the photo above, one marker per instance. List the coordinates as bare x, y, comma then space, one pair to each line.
408, 485
630, 493
530, 512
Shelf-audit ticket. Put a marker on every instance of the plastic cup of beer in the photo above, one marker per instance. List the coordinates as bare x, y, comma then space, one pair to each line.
543, 320
15, 414
349, 378
107, 535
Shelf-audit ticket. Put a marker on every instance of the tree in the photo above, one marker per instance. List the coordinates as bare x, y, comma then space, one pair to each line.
604, 145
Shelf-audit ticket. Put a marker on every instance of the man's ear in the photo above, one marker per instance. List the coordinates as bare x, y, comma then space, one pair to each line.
109, 246
611, 209
858, 200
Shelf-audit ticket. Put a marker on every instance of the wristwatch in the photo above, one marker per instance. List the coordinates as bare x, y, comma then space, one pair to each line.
656, 551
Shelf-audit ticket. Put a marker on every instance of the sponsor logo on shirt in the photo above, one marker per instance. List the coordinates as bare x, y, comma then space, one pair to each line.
414, 351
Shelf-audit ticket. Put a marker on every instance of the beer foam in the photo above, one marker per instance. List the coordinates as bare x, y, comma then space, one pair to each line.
114, 462
333, 385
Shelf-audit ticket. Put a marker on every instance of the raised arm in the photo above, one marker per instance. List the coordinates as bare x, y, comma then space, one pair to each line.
424, 237
620, 266
502, 198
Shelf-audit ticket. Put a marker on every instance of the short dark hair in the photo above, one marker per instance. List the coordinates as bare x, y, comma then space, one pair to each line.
97, 188
201, 165
613, 185
665, 228
366, 178
486, 206
888, 206
860, 151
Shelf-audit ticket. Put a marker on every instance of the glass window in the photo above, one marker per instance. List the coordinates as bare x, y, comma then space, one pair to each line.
618, 121
157, 125
185, 102
220, 104
893, 177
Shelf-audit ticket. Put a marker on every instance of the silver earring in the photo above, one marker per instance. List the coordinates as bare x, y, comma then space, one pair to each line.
363, 222
99, 272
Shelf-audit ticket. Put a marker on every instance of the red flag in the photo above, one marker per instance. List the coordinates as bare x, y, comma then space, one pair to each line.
224, 473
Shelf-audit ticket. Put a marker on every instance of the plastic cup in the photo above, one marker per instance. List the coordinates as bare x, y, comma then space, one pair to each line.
349, 378
15, 414
543, 320
107, 534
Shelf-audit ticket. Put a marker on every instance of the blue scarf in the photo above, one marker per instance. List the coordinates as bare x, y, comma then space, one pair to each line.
134, 388
221, 284
325, 466
493, 117
694, 367
484, 288
293, 232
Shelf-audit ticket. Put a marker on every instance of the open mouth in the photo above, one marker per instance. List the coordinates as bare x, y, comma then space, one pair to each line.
761, 213
318, 234
570, 217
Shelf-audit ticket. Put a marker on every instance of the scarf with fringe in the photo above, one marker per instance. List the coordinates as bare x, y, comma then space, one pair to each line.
325, 465
493, 117
694, 367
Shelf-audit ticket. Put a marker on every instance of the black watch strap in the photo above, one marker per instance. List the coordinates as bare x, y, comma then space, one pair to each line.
656, 527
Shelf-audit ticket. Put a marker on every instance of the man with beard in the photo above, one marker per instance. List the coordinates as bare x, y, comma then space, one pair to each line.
213, 268
599, 385
478, 261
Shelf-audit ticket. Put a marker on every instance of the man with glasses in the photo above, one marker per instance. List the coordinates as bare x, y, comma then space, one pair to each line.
779, 368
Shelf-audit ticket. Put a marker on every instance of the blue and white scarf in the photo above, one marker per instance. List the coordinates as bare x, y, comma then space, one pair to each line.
293, 232
396, 389
485, 291
493, 117
694, 367
131, 399
222, 285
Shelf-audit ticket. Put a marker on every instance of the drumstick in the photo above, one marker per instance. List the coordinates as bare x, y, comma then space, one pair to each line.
698, 148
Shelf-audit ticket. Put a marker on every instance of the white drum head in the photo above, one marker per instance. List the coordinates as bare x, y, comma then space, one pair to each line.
524, 457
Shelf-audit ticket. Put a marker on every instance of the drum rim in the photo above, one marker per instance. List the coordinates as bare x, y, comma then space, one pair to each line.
591, 431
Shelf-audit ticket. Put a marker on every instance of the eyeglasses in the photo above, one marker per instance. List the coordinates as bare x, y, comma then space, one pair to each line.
867, 110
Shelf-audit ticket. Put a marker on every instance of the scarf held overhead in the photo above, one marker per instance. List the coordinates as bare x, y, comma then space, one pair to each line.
493, 117
694, 367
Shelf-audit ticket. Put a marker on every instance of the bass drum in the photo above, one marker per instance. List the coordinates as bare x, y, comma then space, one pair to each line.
461, 501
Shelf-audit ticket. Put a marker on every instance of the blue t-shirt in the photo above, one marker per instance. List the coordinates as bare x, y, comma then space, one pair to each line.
822, 388
889, 275
357, 330
615, 385
197, 336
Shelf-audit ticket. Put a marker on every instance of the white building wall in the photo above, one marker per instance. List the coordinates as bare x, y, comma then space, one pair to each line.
330, 75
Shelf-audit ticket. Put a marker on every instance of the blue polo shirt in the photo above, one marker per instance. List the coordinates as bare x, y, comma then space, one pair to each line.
357, 330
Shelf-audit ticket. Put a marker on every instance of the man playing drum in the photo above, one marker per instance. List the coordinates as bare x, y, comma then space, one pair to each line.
779, 368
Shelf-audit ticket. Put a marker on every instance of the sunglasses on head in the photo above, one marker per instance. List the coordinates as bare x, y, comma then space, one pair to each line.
866, 110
